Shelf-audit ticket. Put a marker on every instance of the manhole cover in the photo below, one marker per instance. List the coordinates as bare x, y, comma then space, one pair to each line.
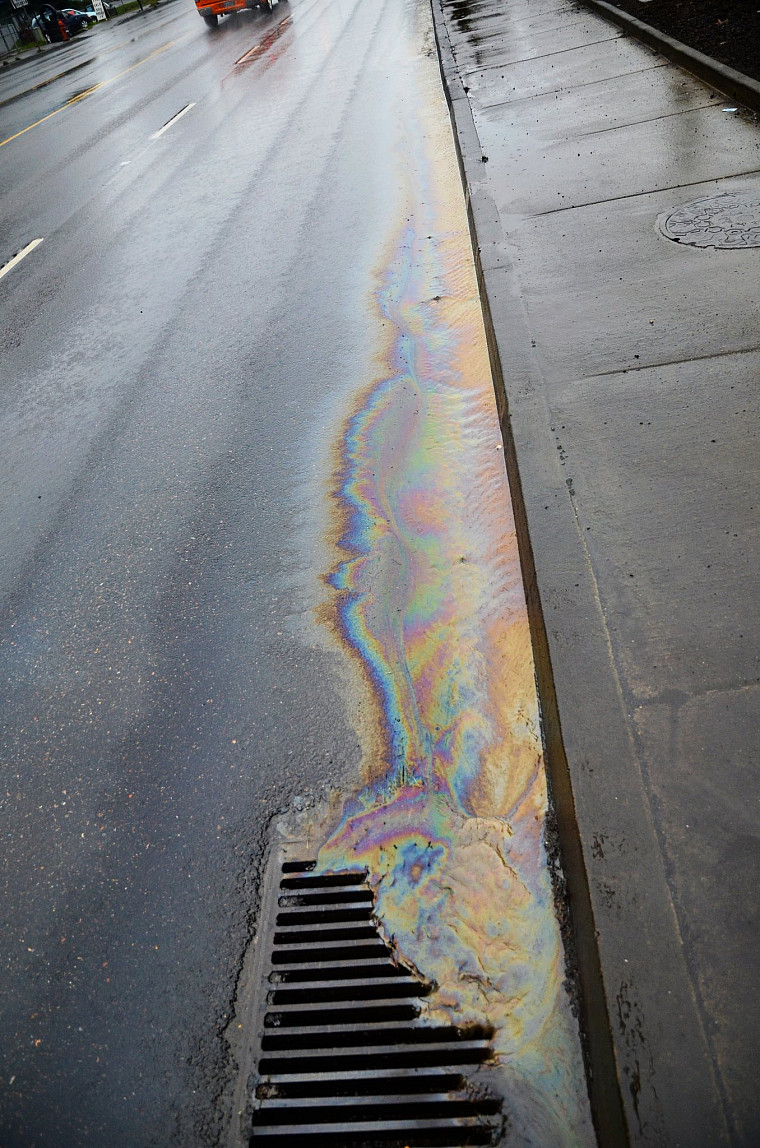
731, 220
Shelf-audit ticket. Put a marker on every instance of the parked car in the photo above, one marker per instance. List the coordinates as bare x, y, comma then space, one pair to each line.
77, 20
110, 10
47, 23
74, 19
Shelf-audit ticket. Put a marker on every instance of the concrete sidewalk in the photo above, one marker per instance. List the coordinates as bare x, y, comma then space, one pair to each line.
630, 372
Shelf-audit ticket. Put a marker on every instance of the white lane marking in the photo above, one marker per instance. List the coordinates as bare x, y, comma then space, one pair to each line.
18, 257
172, 121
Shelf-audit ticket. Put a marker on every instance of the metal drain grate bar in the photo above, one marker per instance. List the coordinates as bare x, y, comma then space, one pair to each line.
340, 1012
339, 992
347, 1060
302, 899
349, 932
394, 1105
368, 951
332, 949
432, 1083
414, 1058
390, 1134
335, 972
325, 880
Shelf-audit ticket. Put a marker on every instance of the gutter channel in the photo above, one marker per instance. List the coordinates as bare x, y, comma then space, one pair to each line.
580, 939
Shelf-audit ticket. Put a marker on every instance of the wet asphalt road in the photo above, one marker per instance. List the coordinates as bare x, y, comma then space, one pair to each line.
169, 357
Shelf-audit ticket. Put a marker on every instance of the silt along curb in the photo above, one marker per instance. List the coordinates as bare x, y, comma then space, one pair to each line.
45, 83
485, 232
727, 80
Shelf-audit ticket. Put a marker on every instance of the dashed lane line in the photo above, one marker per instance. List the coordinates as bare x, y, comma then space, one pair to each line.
169, 123
96, 87
22, 254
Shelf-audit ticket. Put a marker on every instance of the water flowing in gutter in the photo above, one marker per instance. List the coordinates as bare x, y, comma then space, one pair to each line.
427, 601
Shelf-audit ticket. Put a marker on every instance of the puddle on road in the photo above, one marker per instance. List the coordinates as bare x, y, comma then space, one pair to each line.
265, 44
426, 599
77, 95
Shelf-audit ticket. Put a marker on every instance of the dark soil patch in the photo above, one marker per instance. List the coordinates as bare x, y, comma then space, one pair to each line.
727, 30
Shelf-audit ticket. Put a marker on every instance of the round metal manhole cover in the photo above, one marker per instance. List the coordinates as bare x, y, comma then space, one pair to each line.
731, 220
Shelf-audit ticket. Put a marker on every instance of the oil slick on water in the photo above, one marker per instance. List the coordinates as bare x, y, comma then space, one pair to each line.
426, 599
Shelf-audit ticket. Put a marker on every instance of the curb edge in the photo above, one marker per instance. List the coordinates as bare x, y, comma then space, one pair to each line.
726, 80
45, 83
599, 1051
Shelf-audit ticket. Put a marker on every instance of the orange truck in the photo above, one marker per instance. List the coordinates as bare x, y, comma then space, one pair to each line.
211, 10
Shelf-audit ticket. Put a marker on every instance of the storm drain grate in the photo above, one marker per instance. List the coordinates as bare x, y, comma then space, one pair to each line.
345, 1060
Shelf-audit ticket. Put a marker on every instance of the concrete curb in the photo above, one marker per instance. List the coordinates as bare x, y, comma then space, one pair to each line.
134, 15
45, 83
583, 953
16, 61
731, 83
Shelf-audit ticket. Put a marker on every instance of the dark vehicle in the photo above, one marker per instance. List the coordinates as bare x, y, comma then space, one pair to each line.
53, 24
77, 20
